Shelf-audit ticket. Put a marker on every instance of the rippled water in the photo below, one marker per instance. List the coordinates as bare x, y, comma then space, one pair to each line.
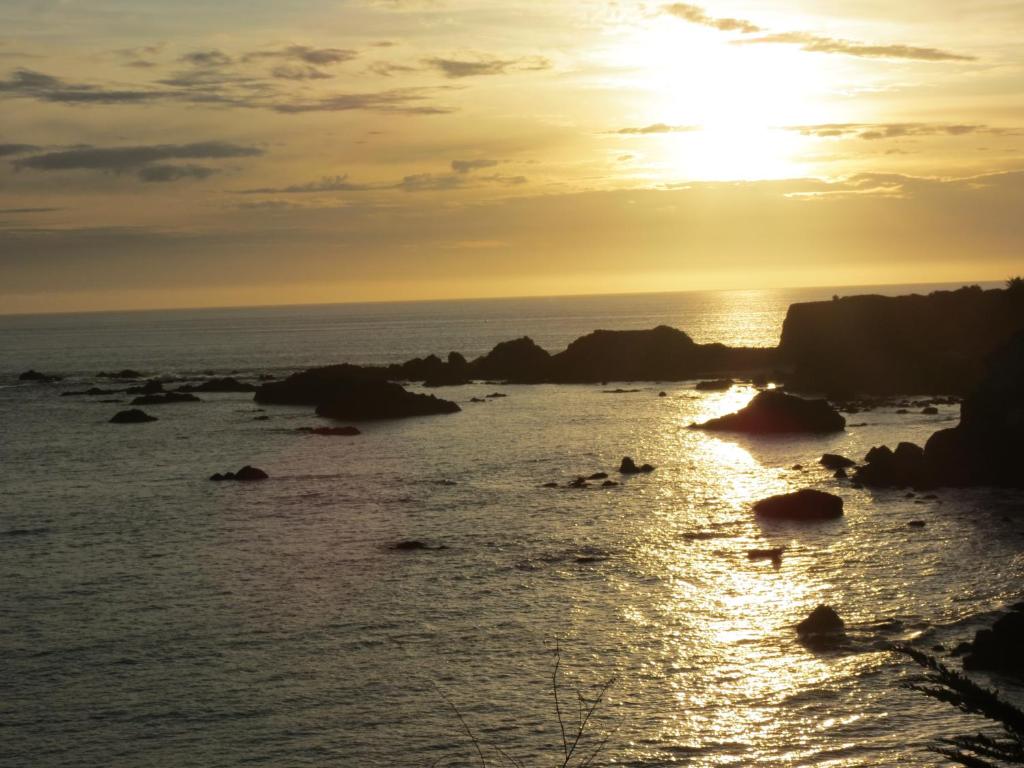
149, 617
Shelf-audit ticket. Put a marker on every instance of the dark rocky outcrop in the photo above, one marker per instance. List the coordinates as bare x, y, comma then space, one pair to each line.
823, 620
773, 411
92, 391
714, 385
42, 378
520, 360
331, 431
151, 387
835, 461
246, 474
805, 504
132, 416
1001, 648
225, 384
165, 398
365, 401
880, 344
985, 448
629, 467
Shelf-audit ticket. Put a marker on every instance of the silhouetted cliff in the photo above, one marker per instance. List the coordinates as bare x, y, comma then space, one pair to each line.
907, 344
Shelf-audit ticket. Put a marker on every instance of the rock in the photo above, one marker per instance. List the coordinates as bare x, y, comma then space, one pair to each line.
91, 391
550, 485
519, 360
805, 504
714, 385
773, 411
365, 401
414, 545
880, 344
773, 553
916, 524
1000, 648
245, 474
495, 395
477, 400
151, 387
127, 373
619, 391
930, 410
608, 483
823, 620
835, 461
663, 394
165, 398
42, 378
797, 467
629, 467
906, 466
133, 416
261, 418
839, 474
598, 476
226, 384
331, 431
579, 482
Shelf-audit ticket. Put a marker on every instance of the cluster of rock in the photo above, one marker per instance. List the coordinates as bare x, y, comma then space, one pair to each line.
985, 448
1000, 648
337, 395
626, 467
246, 474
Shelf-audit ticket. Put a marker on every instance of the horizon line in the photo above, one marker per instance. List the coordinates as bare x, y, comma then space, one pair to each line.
455, 299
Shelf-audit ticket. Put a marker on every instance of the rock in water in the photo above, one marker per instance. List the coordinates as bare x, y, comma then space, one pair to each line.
37, 376
773, 411
629, 467
132, 416
226, 384
165, 398
805, 504
823, 621
835, 461
245, 474
370, 400
1000, 648
331, 431
715, 385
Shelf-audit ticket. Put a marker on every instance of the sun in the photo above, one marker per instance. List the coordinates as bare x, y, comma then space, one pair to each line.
727, 105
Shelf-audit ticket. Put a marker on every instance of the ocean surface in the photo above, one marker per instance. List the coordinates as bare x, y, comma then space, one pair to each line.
149, 617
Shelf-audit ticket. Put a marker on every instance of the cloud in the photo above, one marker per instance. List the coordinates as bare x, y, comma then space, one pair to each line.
483, 65
298, 72
37, 85
657, 128
696, 15
210, 58
430, 182
808, 41
167, 173
326, 184
121, 159
6, 211
818, 44
6, 150
403, 101
875, 131
304, 53
466, 166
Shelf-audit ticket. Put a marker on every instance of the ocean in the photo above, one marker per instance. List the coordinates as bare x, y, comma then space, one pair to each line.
150, 617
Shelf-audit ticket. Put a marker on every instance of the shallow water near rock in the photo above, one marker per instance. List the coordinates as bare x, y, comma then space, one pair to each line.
151, 617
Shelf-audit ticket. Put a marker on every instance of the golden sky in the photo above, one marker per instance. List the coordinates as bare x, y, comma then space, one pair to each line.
191, 153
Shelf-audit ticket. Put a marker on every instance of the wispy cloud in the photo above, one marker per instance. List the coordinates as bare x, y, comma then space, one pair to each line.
326, 184
656, 128
697, 15
7, 150
148, 162
808, 41
307, 54
875, 131
466, 166
403, 101
485, 65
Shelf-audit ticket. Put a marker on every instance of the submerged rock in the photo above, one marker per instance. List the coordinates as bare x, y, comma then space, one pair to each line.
226, 384
823, 620
132, 416
42, 378
715, 385
629, 467
165, 398
330, 431
773, 411
805, 504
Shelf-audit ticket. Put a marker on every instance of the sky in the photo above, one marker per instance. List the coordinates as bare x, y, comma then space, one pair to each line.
250, 152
